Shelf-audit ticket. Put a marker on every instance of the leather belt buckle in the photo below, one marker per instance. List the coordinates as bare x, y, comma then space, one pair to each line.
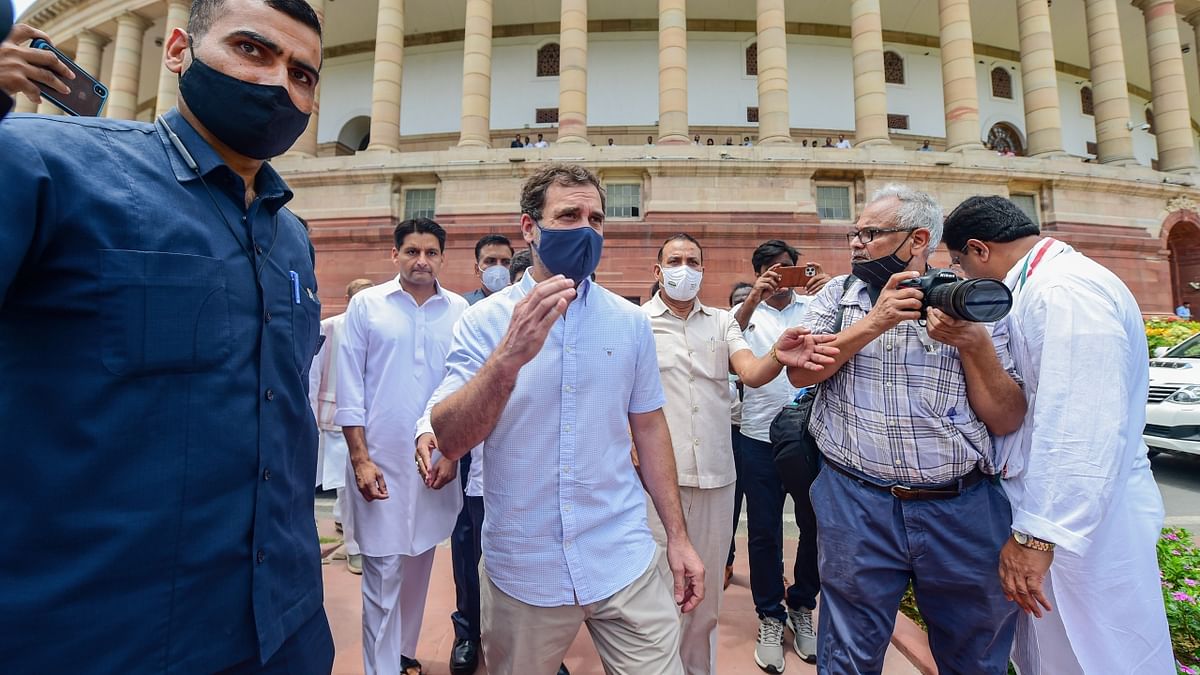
902, 492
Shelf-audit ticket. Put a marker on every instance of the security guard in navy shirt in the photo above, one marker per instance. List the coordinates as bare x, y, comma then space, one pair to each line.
158, 317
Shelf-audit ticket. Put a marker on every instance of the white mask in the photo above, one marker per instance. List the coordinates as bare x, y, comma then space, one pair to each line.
681, 283
495, 278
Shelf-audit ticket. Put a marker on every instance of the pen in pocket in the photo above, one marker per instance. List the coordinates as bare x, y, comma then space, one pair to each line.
295, 286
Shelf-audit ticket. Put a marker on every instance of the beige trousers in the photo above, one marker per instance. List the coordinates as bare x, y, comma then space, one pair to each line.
635, 631
708, 513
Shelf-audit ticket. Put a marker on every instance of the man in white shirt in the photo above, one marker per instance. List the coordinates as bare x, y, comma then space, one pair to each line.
565, 540
842, 143
697, 348
1086, 512
391, 358
541, 142
767, 312
332, 454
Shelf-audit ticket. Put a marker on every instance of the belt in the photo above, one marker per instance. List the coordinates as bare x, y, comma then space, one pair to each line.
902, 492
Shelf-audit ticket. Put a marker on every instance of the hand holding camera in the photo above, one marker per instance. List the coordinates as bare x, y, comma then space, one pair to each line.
896, 303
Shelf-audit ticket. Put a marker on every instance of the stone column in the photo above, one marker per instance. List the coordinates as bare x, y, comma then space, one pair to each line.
127, 66
1172, 119
958, 75
89, 49
774, 122
168, 82
1039, 79
477, 76
870, 90
572, 72
672, 73
21, 104
1193, 19
385, 88
1110, 90
306, 145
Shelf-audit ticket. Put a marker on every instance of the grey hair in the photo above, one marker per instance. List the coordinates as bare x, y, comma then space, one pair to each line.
917, 209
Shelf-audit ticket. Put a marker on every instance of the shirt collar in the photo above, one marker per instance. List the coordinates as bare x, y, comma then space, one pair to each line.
392, 287
527, 283
657, 307
268, 184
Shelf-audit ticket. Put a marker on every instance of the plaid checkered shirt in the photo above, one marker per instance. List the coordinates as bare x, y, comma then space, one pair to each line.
897, 411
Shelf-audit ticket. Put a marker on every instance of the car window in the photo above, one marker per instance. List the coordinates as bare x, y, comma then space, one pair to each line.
1190, 349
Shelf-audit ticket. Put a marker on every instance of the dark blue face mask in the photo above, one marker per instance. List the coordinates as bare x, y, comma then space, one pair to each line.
256, 120
573, 253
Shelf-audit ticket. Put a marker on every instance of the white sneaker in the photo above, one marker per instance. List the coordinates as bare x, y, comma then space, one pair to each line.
805, 642
768, 653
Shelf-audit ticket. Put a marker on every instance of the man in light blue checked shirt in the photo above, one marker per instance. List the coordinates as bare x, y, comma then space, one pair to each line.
553, 375
908, 491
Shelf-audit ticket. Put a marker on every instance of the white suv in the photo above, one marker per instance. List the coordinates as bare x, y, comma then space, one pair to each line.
1173, 406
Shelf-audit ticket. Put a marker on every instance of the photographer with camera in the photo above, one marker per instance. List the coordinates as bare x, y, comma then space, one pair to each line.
902, 419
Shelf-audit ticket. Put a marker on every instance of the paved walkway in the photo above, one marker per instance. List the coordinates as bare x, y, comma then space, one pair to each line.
739, 624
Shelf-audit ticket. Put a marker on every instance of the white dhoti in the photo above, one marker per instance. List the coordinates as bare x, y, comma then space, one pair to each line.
393, 589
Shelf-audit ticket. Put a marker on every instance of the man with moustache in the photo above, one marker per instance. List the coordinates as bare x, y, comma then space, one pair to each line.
698, 346
159, 313
904, 420
391, 357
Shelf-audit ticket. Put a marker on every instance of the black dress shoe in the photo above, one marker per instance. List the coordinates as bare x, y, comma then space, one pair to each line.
562, 669
464, 657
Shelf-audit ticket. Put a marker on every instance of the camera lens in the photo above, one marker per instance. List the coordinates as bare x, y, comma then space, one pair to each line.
979, 300
99, 91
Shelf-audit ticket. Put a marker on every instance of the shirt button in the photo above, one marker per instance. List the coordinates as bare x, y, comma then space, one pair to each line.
570, 349
257, 248
568, 389
267, 318
692, 378
266, 474
270, 394
696, 442
887, 384
262, 555
567, 429
567, 508
566, 469
695, 408
889, 346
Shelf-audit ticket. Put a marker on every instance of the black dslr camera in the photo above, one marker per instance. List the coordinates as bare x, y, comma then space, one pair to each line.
979, 300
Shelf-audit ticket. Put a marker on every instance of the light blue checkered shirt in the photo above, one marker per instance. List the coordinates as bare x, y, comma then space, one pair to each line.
566, 513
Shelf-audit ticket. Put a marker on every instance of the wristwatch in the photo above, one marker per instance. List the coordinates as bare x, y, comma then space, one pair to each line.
1032, 542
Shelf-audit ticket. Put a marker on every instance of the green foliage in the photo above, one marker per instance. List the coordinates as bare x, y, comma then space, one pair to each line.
1168, 331
1179, 567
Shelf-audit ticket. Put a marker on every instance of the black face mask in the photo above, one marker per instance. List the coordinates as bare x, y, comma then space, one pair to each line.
256, 120
877, 272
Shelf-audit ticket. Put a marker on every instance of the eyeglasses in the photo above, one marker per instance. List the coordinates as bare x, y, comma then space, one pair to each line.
868, 234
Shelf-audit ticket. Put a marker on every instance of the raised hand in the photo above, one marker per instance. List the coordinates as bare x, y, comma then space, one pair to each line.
532, 319
799, 348
23, 67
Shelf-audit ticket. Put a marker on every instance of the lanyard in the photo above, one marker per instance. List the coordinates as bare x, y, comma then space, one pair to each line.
1036, 257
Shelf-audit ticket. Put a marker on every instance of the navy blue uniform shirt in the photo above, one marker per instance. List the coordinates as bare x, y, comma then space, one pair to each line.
155, 430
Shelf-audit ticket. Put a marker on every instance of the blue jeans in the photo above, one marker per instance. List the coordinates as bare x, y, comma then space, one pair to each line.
465, 551
872, 545
764, 535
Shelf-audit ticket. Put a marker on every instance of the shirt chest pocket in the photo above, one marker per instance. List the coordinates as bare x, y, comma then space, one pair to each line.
162, 312
306, 317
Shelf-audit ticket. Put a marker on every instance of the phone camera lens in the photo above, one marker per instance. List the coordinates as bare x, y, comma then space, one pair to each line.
99, 90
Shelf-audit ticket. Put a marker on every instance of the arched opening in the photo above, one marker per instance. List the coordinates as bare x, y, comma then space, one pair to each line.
547, 60
1001, 83
1183, 249
355, 135
893, 68
1005, 139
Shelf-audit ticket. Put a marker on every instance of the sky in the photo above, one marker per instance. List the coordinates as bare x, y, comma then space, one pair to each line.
21, 5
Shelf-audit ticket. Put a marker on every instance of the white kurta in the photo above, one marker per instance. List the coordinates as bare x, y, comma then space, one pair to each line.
1077, 473
392, 355
332, 453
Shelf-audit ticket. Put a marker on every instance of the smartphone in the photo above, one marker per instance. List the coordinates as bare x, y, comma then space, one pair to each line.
810, 270
87, 95
791, 277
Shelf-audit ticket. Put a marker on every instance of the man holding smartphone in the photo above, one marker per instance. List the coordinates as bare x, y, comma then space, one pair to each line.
159, 315
772, 307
